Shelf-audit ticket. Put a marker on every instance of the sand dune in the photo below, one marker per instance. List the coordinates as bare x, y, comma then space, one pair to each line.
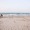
15, 23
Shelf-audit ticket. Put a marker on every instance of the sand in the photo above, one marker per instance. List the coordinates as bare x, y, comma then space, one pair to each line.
15, 23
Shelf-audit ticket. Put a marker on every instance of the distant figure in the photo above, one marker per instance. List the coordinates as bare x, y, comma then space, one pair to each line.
1, 15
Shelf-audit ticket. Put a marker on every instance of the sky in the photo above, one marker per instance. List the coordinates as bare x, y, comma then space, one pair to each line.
21, 6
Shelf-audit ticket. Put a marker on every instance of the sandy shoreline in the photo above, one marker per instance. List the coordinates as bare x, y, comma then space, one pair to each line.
15, 23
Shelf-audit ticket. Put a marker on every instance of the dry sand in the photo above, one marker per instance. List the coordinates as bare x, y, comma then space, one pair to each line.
15, 23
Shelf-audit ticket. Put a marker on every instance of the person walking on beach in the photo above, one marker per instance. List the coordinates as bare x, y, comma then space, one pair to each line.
1, 15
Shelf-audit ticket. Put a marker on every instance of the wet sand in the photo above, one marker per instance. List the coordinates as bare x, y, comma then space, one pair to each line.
15, 23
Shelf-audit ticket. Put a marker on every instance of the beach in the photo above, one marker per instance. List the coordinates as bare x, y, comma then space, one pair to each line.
15, 23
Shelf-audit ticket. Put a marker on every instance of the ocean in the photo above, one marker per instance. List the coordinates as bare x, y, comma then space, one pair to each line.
15, 14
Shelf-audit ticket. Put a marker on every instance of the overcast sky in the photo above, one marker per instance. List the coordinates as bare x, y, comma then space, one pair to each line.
15, 6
